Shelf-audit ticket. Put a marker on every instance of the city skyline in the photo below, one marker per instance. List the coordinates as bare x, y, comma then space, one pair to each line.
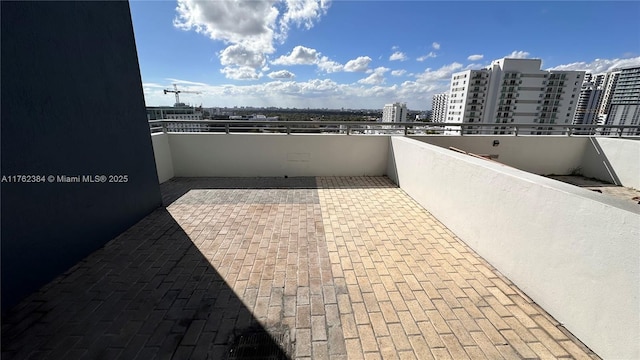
362, 54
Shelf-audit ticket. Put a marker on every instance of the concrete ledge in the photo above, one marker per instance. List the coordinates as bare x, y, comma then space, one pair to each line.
577, 257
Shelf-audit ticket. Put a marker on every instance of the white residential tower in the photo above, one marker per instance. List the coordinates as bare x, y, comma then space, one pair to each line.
513, 91
439, 107
625, 101
396, 112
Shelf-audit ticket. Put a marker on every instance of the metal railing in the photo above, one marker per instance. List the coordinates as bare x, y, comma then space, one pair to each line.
377, 128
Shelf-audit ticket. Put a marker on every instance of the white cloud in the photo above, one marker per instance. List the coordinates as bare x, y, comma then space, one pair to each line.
443, 73
435, 45
329, 66
252, 26
398, 55
599, 66
241, 73
250, 23
425, 57
151, 85
376, 77
398, 72
518, 55
185, 82
300, 55
282, 74
359, 64
303, 12
318, 86
475, 57
241, 56
418, 94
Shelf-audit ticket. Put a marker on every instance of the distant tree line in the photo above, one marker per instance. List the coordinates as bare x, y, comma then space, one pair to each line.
313, 114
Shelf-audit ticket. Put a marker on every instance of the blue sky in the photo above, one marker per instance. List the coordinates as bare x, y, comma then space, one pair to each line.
363, 54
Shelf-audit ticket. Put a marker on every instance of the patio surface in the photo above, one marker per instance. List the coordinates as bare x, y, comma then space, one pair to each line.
332, 267
606, 189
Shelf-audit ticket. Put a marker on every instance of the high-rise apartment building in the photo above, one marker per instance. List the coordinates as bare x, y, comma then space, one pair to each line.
396, 112
439, 107
625, 100
588, 101
609, 82
598, 80
513, 91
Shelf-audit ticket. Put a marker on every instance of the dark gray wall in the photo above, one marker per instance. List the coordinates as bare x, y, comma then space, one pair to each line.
72, 104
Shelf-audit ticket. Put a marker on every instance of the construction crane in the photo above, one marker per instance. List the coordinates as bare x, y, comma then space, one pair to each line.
177, 92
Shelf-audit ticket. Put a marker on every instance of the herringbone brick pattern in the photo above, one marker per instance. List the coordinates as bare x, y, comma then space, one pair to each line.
349, 268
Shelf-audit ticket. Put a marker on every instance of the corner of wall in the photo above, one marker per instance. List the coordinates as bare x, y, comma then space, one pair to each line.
163, 157
620, 157
392, 171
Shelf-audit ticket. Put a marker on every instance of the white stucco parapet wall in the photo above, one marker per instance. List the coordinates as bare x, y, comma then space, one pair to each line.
613, 160
249, 155
163, 157
544, 155
575, 255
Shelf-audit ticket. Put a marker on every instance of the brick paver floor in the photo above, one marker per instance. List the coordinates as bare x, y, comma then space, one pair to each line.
333, 267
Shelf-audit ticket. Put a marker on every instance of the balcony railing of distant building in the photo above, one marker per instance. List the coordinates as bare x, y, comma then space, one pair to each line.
390, 128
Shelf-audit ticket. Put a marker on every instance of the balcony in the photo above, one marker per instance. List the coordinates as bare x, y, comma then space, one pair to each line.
530, 254
289, 245
335, 246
